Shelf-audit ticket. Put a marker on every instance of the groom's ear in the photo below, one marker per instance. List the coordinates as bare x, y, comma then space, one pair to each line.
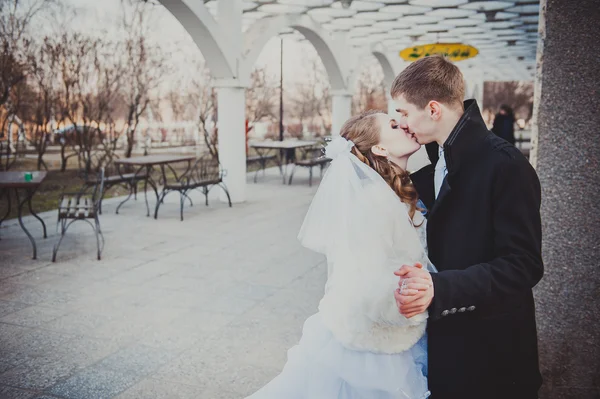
435, 110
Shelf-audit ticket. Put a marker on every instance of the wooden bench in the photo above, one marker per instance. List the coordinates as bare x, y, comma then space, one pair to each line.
205, 174
311, 158
114, 177
81, 206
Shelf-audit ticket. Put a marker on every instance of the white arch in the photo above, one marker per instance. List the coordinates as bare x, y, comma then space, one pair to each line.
388, 70
207, 34
330, 51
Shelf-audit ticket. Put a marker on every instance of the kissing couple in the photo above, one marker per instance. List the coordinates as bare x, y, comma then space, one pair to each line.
430, 274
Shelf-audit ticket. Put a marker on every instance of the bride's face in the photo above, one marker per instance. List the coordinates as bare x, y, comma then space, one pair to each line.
394, 140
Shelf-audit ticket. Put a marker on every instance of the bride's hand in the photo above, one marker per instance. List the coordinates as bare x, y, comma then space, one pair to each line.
411, 285
417, 294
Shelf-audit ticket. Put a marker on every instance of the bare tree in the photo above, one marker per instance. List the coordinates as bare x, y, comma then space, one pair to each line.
144, 65
310, 103
196, 99
39, 109
261, 98
15, 18
370, 90
204, 95
91, 74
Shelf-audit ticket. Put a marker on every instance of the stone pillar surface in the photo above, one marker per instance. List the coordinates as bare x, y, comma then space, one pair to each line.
232, 140
341, 107
567, 158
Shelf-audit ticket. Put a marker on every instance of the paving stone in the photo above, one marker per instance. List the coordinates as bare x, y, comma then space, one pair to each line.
33, 316
157, 389
8, 307
38, 373
93, 382
14, 393
9, 360
137, 360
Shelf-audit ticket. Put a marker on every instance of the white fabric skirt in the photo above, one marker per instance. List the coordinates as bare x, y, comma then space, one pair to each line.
319, 367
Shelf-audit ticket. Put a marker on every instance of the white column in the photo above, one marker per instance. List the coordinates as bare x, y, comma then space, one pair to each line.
341, 107
474, 86
391, 106
478, 89
232, 139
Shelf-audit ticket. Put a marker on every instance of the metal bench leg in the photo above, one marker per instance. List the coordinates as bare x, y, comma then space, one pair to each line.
122, 202
256, 175
182, 196
224, 187
7, 192
310, 176
189, 199
159, 201
292, 175
63, 231
98, 233
55, 249
101, 199
205, 190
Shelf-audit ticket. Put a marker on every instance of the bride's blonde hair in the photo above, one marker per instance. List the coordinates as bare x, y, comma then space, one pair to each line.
364, 131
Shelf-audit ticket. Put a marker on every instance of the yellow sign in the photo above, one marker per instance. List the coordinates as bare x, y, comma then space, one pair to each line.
453, 51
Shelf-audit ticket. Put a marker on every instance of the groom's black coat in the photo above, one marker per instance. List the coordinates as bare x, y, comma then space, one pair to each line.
484, 236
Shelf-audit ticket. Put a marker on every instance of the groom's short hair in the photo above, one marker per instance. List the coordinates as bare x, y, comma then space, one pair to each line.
432, 78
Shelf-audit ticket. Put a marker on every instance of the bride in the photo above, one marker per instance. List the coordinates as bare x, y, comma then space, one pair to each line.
365, 219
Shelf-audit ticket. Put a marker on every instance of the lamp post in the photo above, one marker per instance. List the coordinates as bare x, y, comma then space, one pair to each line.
281, 93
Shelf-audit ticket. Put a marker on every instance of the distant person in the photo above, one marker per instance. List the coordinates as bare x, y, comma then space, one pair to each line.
504, 124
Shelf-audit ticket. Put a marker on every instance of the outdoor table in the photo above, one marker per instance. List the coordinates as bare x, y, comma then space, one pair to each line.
287, 151
148, 163
16, 181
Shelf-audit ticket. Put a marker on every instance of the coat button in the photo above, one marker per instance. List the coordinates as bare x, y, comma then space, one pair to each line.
453, 310
471, 308
461, 310
445, 313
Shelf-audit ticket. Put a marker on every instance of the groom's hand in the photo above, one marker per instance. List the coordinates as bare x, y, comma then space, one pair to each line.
417, 292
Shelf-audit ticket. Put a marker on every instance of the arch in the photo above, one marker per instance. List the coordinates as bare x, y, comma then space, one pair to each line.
330, 52
388, 71
379, 52
206, 33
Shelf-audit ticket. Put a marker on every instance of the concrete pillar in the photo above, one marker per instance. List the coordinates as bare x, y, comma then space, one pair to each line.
232, 138
341, 107
567, 158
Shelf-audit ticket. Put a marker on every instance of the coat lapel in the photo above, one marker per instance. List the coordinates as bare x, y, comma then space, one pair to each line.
423, 181
444, 191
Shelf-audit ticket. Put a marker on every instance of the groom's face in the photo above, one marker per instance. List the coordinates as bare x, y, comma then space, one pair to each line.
415, 120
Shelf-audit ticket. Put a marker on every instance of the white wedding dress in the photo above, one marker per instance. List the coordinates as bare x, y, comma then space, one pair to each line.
358, 346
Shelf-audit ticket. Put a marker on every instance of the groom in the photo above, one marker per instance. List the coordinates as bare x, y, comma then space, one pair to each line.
484, 237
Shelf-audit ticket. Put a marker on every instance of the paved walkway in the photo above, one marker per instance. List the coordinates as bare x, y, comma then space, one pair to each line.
204, 308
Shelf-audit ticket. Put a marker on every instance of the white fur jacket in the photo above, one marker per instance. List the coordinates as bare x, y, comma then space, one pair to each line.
359, 306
